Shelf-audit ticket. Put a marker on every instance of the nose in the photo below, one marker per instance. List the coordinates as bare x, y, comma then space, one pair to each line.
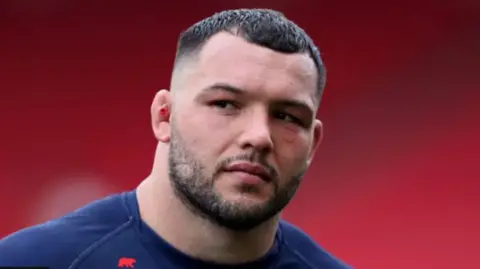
257, 134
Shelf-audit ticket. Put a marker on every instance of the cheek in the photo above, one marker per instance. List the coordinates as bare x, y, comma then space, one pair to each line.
290, 137
292, 148
203, 133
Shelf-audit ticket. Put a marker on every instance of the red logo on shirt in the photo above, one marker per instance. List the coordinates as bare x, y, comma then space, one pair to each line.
126, 262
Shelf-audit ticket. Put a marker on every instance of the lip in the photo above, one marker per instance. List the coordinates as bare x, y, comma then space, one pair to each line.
250, 168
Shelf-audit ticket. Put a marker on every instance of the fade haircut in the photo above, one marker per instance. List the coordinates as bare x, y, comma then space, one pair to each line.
263, 27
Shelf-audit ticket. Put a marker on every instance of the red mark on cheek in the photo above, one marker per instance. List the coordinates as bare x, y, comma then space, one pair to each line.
290, 135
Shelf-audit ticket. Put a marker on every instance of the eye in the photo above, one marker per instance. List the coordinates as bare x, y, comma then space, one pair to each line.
288, 118
224, 104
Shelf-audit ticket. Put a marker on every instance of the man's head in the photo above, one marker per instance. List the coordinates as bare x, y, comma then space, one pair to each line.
241, 126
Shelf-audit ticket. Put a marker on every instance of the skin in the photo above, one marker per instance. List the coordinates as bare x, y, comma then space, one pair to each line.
254, 105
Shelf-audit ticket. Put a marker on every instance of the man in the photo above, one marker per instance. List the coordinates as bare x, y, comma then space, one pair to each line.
236, 132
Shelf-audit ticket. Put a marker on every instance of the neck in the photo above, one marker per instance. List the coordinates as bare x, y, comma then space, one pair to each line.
195, 236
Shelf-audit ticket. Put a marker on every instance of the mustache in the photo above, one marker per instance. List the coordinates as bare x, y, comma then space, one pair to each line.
253, 158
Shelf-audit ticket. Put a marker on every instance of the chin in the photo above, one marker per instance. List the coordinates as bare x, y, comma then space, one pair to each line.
247, 199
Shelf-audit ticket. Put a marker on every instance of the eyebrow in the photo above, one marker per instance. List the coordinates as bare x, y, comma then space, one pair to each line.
226, 88
223, 87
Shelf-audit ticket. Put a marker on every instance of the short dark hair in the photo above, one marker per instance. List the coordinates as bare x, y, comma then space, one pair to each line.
263, 27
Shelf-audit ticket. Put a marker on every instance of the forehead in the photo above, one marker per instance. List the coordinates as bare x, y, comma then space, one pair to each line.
226, 58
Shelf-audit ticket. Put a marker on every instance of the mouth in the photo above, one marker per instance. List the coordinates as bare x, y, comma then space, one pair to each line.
251, 169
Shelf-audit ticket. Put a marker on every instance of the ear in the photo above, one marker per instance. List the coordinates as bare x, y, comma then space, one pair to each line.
161, 111
317, 139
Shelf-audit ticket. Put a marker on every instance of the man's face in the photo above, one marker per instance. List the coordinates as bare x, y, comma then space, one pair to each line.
243, 131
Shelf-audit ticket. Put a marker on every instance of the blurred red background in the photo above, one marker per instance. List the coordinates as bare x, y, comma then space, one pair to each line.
394, 185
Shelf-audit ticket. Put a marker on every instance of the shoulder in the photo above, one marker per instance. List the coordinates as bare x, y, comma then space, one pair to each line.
306, 250
59, 242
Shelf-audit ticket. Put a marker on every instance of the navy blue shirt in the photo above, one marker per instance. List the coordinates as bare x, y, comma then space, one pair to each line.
109, 233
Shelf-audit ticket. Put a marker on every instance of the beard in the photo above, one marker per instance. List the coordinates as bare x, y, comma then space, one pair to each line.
194, 186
